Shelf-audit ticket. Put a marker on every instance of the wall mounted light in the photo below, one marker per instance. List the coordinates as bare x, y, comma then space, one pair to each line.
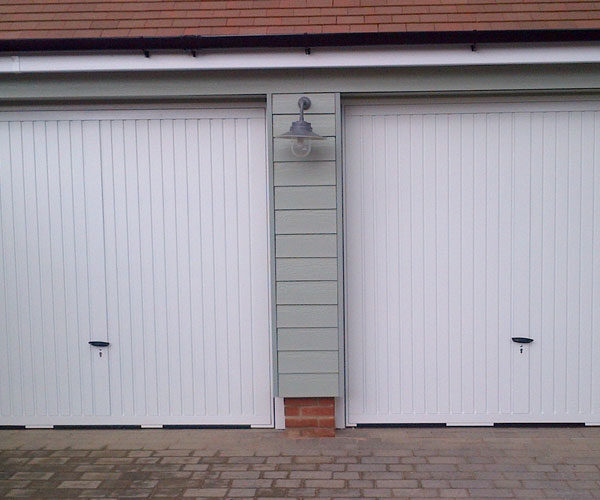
301, 133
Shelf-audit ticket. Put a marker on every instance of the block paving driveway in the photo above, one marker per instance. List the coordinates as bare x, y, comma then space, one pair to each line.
550, 463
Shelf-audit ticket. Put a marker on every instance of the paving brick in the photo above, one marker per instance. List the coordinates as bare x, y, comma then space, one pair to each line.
143, 484
20, 493
79, 484
376, 492
288, 483
361, 483
366, 468
168, 492
302, 492
198, 467
311, 459
416, 493
87, 476
240, 475
472, 483
346, 475
436, 467
311, 475
279, 460
329, 483
205, 492
453, 493
251, 483
332, 467
180, 460
275, 474
131, 493
522, 493
400, 467
397, 483
241, 492
340, 492
447, 460
492, 493
32, 475
493, 468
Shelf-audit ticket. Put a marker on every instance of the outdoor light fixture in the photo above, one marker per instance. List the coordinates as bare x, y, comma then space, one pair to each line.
301, 132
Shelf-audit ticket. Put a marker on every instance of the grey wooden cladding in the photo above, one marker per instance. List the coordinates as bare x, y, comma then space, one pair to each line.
315, 361
304, 174
324, 125
305, 221
321, 150
288, 103
304, 197
307, 316
302, 339
307, 292
310, 269
306, 250
308, 384
306, 245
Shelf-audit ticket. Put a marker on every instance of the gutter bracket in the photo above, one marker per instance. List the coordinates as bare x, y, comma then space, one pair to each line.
146, 53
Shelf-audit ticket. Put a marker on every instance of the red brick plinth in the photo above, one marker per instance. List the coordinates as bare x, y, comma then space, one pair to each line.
310, 417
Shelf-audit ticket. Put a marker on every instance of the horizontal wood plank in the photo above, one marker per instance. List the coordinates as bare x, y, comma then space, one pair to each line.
308, 385
306, 339
297, 269
308, 361
306, 245
305, 221
300, 197
307, 316
288, 103
304, 173
307, 292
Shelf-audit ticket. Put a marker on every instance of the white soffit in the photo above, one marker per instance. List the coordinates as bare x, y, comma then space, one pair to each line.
354, 57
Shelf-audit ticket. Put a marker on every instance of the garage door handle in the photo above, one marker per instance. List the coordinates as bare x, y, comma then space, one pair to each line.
522, 340
99, 343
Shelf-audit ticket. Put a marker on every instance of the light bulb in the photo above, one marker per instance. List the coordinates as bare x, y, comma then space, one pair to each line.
301, 148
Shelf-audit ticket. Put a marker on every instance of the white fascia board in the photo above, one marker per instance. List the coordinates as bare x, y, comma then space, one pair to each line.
355, 57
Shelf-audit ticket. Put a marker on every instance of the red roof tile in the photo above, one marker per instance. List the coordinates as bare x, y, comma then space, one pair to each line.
21, 19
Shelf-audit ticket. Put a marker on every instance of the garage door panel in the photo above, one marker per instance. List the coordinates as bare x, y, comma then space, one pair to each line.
484, 225
441, 284
587, 261
10, 347
149, 230
595, 350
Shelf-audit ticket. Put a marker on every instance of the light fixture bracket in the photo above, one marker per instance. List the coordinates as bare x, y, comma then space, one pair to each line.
301, 131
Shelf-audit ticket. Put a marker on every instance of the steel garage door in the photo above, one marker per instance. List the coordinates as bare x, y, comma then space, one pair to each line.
147, 229
467, 225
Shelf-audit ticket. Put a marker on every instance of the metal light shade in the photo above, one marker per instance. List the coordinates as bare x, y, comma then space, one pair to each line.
301, 132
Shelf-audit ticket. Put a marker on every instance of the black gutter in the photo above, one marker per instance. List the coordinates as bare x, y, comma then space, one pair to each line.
193, 43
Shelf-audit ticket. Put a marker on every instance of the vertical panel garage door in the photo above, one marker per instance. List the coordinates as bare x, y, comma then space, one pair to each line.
147, 229
467, 225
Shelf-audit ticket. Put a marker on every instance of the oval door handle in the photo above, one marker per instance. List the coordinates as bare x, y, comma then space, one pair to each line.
522, 340
99, 343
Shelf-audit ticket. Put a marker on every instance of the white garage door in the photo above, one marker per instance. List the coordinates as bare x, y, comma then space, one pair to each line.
147, 229
467, 224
